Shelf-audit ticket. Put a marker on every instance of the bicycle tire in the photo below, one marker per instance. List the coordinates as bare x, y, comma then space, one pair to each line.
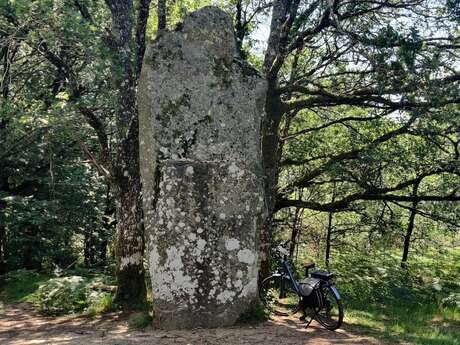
270, 296
323, 314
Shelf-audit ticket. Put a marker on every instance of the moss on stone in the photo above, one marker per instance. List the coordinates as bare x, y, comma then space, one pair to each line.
172, 107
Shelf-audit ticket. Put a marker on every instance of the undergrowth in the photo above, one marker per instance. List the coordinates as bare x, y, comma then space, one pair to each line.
417, 305
72, 293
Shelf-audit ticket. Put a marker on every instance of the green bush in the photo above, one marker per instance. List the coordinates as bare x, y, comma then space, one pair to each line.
63, 295
140, 320
100, 302
72, 294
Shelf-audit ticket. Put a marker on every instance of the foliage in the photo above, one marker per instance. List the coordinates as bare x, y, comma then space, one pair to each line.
140, 320
59, 295
74, 294
51, 197
398, 304
100, 302
63, 295
21, 285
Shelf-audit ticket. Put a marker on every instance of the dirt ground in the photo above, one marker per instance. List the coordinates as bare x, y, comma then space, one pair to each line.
20, 324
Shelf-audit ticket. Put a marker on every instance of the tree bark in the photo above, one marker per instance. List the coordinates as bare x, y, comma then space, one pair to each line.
161, 14
130, 244
87, 251
270, 131
126, 175
294, 232
141, 28
2, 248
328, 239
329, 229
410, 227
107, 225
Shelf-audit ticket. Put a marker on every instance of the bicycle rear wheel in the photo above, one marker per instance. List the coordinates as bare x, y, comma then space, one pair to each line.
279, 296
330, 315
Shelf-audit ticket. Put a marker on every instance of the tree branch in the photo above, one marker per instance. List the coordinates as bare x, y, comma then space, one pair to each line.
142, 18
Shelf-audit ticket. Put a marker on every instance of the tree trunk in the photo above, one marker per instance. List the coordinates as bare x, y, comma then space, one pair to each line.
2, 248
271, 158
270, 131
107, 225
126, 175
161, 14
294, 232
329, 229
130, 245
328, 238
410, 227
88, 248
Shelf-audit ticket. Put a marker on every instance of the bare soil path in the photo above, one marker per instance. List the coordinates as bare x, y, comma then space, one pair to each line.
20, 324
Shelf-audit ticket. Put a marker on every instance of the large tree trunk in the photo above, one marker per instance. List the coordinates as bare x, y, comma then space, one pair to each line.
130, 244
126, 179
270, 132
270, 156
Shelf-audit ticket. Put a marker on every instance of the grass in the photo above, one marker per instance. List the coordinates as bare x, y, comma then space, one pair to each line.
405, 322
398, 305
21, 286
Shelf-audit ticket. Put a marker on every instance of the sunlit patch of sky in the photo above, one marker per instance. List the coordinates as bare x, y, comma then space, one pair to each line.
260, 35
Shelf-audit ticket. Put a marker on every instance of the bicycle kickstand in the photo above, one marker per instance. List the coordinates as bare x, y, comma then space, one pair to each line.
304, 318
309, 322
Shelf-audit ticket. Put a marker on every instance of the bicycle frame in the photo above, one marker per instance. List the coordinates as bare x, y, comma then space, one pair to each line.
286, 269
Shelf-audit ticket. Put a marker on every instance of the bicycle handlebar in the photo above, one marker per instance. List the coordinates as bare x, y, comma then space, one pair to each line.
281, 250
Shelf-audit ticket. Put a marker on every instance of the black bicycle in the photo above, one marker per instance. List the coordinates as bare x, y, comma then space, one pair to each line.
283, 295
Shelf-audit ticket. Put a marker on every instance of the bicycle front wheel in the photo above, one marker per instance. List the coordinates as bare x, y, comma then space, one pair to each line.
330, 315
279, 296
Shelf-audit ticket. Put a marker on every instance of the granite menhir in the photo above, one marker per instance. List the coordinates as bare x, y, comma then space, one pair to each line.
201, 110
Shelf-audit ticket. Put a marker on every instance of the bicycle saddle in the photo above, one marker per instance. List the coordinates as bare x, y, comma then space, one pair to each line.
324, 275
309, 265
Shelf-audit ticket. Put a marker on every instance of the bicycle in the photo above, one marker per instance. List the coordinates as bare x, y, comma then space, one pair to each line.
283, 295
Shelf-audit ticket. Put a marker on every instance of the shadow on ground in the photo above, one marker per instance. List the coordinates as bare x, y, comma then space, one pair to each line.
20, 324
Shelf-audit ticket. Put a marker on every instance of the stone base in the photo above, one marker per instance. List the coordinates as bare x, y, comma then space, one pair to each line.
203, 247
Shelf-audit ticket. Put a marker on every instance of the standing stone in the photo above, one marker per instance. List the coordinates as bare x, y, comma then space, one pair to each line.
200, 120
